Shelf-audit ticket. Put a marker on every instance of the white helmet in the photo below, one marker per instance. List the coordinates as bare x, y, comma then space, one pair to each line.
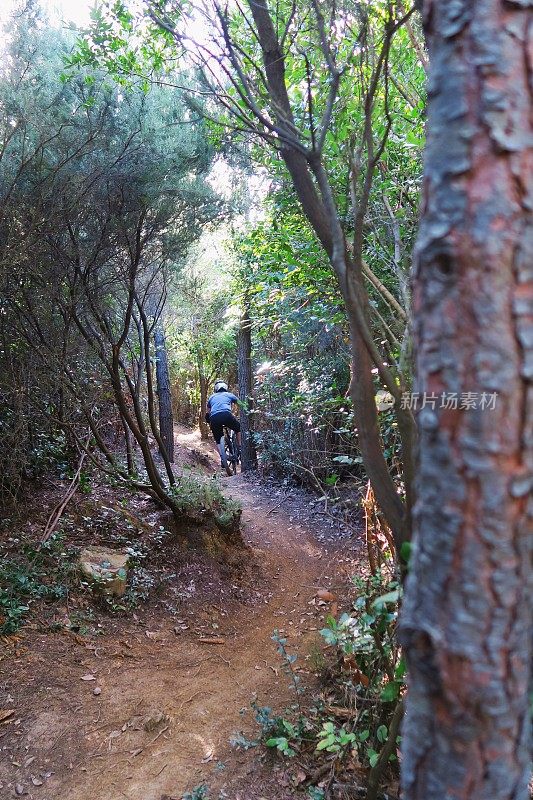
221, 386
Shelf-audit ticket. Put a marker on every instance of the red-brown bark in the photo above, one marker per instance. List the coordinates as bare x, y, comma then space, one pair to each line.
467, 612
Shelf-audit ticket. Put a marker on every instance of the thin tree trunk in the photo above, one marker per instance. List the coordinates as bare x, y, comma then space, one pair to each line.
166, 420
466, 619
244, 366
322, 213
128, 446
150, 394
202, 380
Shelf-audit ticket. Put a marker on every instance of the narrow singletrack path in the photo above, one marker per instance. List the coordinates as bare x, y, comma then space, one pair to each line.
170, 699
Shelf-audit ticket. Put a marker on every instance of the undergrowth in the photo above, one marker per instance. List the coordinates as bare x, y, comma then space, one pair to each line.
340, 733
33, 574
194, 496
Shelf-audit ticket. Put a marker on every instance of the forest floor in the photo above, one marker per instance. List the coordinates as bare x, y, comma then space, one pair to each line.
143, 705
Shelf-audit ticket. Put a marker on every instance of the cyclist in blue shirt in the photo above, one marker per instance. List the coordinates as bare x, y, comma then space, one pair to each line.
219, 415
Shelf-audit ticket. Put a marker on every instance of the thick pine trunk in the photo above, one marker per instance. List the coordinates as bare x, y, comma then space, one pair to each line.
166, 421
466, 619
244, 366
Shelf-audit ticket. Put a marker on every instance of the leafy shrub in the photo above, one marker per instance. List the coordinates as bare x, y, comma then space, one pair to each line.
35, 574
365, 684
203, 497
370, 663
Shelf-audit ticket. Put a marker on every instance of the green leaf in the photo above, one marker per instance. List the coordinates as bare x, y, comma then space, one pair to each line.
390, 597
381, 733
401, 669
349, 460
405, 551
326, 742
329, 636
390, 692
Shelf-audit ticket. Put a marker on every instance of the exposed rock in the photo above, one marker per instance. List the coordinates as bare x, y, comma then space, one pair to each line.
106, 568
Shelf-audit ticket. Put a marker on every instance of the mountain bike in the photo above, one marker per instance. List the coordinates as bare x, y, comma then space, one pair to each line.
232, 451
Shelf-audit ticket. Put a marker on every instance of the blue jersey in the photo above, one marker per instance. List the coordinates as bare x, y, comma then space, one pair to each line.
221, 401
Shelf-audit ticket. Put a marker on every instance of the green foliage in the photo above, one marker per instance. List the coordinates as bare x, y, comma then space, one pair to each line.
365, 641
203, 333
200, 792
314, 732
195, 496
298, 334
334, 739
285, 736
122, 176
281, 743
303, 419
36, 574
281, 734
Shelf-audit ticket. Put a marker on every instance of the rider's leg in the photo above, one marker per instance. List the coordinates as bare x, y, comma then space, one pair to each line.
237, 428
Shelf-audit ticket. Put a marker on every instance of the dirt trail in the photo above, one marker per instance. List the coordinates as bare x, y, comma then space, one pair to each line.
170, 703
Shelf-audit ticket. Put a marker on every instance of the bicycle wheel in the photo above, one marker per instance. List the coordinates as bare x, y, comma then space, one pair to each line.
230, 443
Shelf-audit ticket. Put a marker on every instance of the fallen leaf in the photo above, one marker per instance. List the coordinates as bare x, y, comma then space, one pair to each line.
6, 713
36, 781
326, 596
362, 678
19, 789
88, 677
341, 713
300, 777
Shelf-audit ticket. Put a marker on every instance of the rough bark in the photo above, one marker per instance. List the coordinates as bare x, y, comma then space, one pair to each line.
166, 421
244, 367
466, 618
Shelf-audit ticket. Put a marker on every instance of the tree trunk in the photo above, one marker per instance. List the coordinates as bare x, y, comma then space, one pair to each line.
166, 421
204, 428
466, 617
244, 366
128, 446
323, 215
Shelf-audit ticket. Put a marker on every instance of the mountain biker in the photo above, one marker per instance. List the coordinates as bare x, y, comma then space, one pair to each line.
219, 415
